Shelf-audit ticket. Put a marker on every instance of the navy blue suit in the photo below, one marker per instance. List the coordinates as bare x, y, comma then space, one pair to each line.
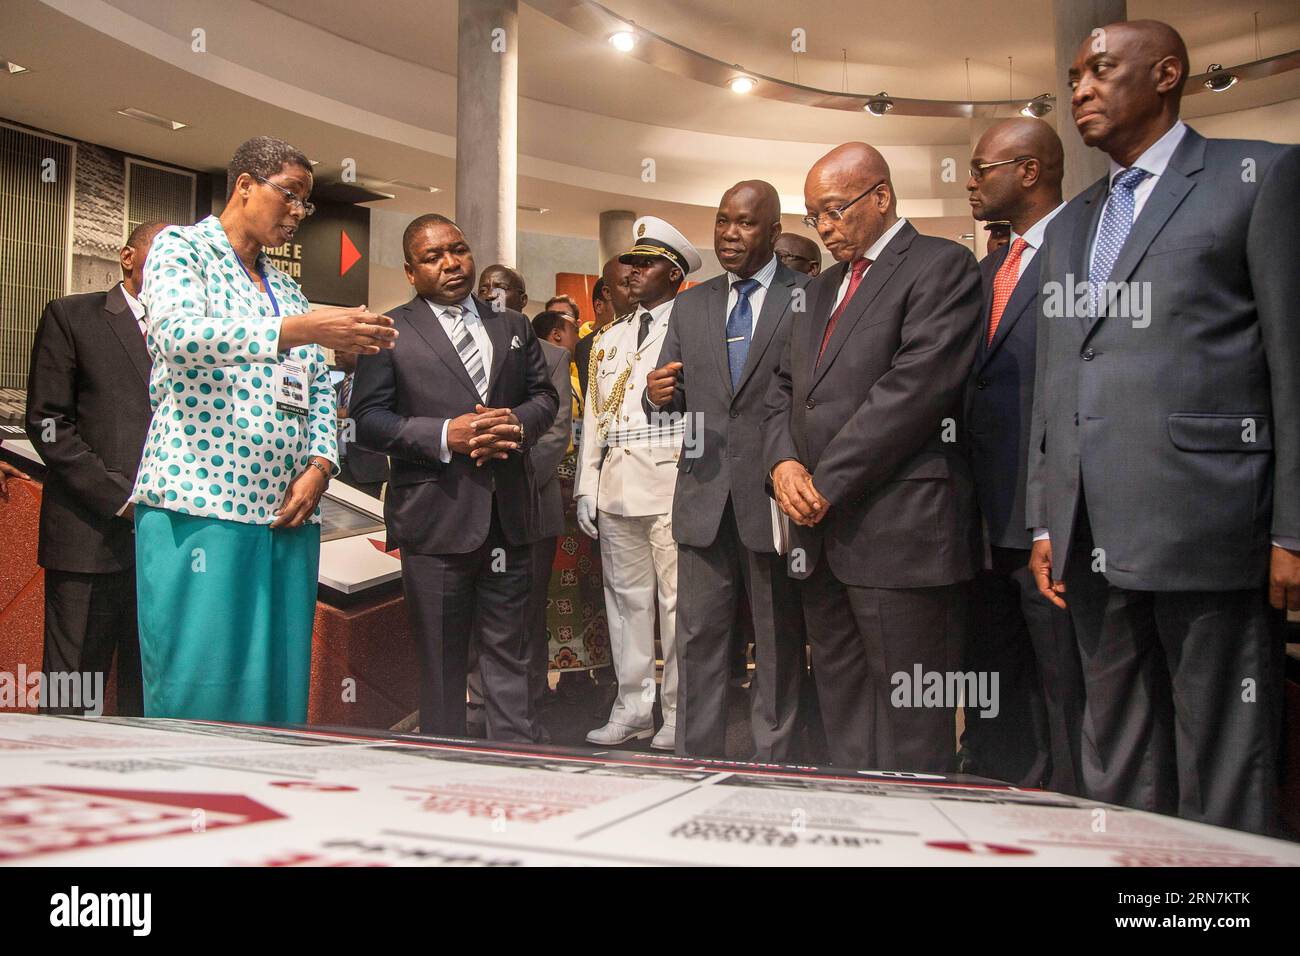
1014, 631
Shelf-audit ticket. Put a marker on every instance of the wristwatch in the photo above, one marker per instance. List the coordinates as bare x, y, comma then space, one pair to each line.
321, 465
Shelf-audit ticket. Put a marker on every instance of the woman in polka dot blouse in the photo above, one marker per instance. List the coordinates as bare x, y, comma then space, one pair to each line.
240, 449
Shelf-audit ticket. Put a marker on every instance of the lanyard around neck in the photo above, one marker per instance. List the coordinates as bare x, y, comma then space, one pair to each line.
261, 273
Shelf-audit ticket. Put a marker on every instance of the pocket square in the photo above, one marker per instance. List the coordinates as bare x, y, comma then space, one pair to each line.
514, 343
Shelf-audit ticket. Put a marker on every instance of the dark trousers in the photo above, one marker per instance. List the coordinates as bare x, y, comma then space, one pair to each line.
484, 593
1016, 633
1183, 702
88, 619
864, 640
543, 558
710, 583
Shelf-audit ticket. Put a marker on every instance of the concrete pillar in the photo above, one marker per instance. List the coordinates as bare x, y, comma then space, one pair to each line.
487, 127
615, 234
1072, 22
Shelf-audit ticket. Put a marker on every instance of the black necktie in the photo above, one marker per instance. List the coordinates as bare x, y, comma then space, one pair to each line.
642, 332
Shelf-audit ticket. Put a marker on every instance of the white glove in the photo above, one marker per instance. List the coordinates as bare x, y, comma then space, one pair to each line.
587, 516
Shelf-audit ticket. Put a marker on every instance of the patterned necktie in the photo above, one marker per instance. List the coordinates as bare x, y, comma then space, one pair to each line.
740, 326
1115, 225
345, 396
143, 322
859, 270
644, 330
1004, 283
468, 349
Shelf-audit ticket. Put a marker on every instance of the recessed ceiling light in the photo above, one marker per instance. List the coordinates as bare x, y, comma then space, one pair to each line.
879, 105
623, 41
536, 209
1220, 79
418, 187
742, 84
153, 119
11, 67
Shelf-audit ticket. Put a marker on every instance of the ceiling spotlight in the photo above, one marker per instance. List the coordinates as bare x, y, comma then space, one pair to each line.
540, 210
879, 105
742, 84
1219, 79
153, 119
623, 41
416, 187
11, 67
1039, 106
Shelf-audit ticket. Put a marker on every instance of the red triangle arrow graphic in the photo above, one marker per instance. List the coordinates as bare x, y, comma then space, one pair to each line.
348, 254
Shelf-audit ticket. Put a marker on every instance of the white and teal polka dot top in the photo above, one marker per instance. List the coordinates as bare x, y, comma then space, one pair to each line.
217, 446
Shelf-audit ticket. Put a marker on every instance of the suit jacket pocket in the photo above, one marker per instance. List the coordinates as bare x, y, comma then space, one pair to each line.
1180, 242
1243, 432
929, 467
403, 474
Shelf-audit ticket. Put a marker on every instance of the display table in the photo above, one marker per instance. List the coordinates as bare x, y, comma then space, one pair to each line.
114, 792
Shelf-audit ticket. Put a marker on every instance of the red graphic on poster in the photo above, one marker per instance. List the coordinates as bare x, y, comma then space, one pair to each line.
348, 253
313, 785
980, 849
36, 820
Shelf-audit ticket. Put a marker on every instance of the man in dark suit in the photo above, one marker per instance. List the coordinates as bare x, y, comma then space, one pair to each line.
1165, 454
611, 298
88, 413
723, 345
1015, 175
799, 253
861, 446
456, 405
359, 467
552, 329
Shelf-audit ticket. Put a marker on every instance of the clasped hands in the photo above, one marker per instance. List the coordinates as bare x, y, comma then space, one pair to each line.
485, 434
795, 494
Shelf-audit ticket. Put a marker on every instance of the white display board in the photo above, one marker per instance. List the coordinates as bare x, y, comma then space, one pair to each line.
117, 791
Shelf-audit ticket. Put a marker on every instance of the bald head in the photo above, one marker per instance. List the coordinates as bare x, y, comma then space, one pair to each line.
799, 253
837, 182
1016, 172
1127, 80
745, 227
503, 287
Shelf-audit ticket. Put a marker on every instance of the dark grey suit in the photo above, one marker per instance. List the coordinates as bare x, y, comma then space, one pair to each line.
875, 423
1014, 630
722, 522
1165, 455
546, 456
88, 413
465, 531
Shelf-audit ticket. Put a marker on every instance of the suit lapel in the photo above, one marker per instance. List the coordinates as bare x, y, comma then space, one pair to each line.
1094, 200
123, 324
719, 291
877, 275
427, 325
1170, 190
775, 303
1022, 296
498, 330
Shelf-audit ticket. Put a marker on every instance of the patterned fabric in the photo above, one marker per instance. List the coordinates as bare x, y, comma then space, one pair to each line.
217, 446
740, 327
576, 629
1004, 283
468, 349
1115, 225
859, 270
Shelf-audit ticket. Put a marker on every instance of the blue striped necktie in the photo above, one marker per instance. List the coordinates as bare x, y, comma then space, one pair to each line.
1116, 222
740, 327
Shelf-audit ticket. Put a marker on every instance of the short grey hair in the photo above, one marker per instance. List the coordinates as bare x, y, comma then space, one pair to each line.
262, 156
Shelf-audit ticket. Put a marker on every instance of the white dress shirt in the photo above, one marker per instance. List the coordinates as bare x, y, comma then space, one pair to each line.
1033, 239
873, 253
137, 309
1155, 160
473, 325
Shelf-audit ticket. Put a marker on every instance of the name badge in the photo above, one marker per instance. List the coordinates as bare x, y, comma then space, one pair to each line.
290, 384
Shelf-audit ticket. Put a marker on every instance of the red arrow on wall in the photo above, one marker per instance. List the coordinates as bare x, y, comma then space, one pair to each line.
348, 253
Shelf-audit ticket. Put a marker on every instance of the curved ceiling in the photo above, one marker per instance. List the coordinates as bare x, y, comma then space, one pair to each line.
376, 82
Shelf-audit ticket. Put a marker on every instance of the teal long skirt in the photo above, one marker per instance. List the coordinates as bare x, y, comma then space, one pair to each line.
226, 612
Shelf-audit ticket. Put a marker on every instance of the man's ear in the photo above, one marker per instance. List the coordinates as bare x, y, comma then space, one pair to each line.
525, 305
126, 258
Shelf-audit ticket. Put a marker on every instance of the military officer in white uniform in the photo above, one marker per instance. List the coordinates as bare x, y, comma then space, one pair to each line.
627, 471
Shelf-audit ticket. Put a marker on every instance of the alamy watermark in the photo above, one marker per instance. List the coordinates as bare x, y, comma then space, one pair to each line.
59, 690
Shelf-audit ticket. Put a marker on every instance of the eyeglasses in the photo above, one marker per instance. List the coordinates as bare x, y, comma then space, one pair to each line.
307, 207
835, 215
977, 169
